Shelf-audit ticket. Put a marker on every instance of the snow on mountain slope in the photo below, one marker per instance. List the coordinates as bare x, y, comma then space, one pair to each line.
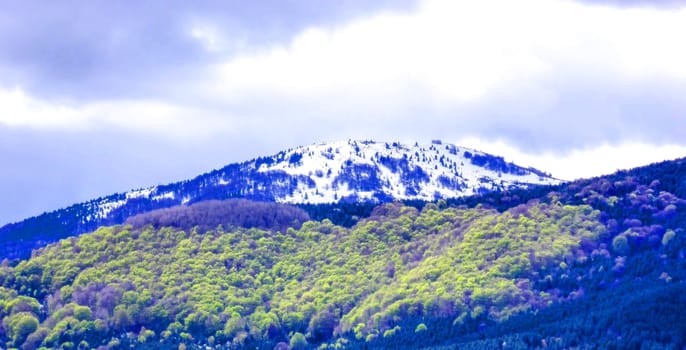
370, 170
343, 171
347, 171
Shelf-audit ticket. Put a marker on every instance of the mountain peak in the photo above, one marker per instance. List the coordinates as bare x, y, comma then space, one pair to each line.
380, 171
332, 172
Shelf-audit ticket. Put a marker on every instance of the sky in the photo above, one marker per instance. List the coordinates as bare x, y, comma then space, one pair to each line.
98, 97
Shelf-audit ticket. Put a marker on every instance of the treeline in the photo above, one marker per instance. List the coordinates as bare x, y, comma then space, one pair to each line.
229, 213
342, 214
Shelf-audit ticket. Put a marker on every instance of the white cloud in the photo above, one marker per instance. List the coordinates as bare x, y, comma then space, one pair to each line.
577, 164
148, 116
539, 75
19, 109
463, 50
207, 37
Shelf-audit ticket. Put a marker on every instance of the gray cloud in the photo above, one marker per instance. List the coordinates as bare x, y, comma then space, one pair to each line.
563, 113
638, 3
581, 114
102, 49
154, 111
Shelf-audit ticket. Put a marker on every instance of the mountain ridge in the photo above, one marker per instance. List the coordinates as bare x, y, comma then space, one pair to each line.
596, 263
340, 171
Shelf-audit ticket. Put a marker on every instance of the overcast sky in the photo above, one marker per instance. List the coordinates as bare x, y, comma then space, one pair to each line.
98, 97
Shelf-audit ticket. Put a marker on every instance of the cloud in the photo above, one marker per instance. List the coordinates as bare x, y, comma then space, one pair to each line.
107, 98
583, 163
98, 49
174, 121
539, 74
638, 3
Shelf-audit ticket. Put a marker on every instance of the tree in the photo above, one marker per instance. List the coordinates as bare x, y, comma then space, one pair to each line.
34, 339
420, 328
321, 326
668, 236
19, 326
121, 319
298, 341
82, 313
620, 245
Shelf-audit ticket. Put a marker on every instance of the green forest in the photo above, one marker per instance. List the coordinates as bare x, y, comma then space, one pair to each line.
593, 264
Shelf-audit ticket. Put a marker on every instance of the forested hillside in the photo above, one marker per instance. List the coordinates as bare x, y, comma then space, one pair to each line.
595, 264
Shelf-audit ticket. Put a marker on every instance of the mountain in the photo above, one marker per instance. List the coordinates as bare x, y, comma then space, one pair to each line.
591, 264
346, 171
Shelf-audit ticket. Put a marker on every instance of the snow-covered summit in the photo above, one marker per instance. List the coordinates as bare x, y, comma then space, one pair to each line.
367, 170
342, 171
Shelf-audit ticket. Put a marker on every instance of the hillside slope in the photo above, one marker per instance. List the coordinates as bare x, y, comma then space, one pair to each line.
398, 262
594, 264
350, 171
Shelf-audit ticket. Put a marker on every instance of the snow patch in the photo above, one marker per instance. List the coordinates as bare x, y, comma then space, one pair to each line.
142, 193
105, 208
166, 195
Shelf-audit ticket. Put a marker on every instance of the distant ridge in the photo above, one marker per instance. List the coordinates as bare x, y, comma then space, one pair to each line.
341, 171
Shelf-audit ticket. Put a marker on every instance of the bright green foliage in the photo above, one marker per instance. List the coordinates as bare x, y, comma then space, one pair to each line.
298, 341
11, 304
421, 328
145, 335
391, 332
668, 237
598, 263
486, 266
19, 326
321, 279
82, 313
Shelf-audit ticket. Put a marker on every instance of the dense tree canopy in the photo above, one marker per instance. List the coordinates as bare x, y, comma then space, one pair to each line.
600, 262
208, 215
